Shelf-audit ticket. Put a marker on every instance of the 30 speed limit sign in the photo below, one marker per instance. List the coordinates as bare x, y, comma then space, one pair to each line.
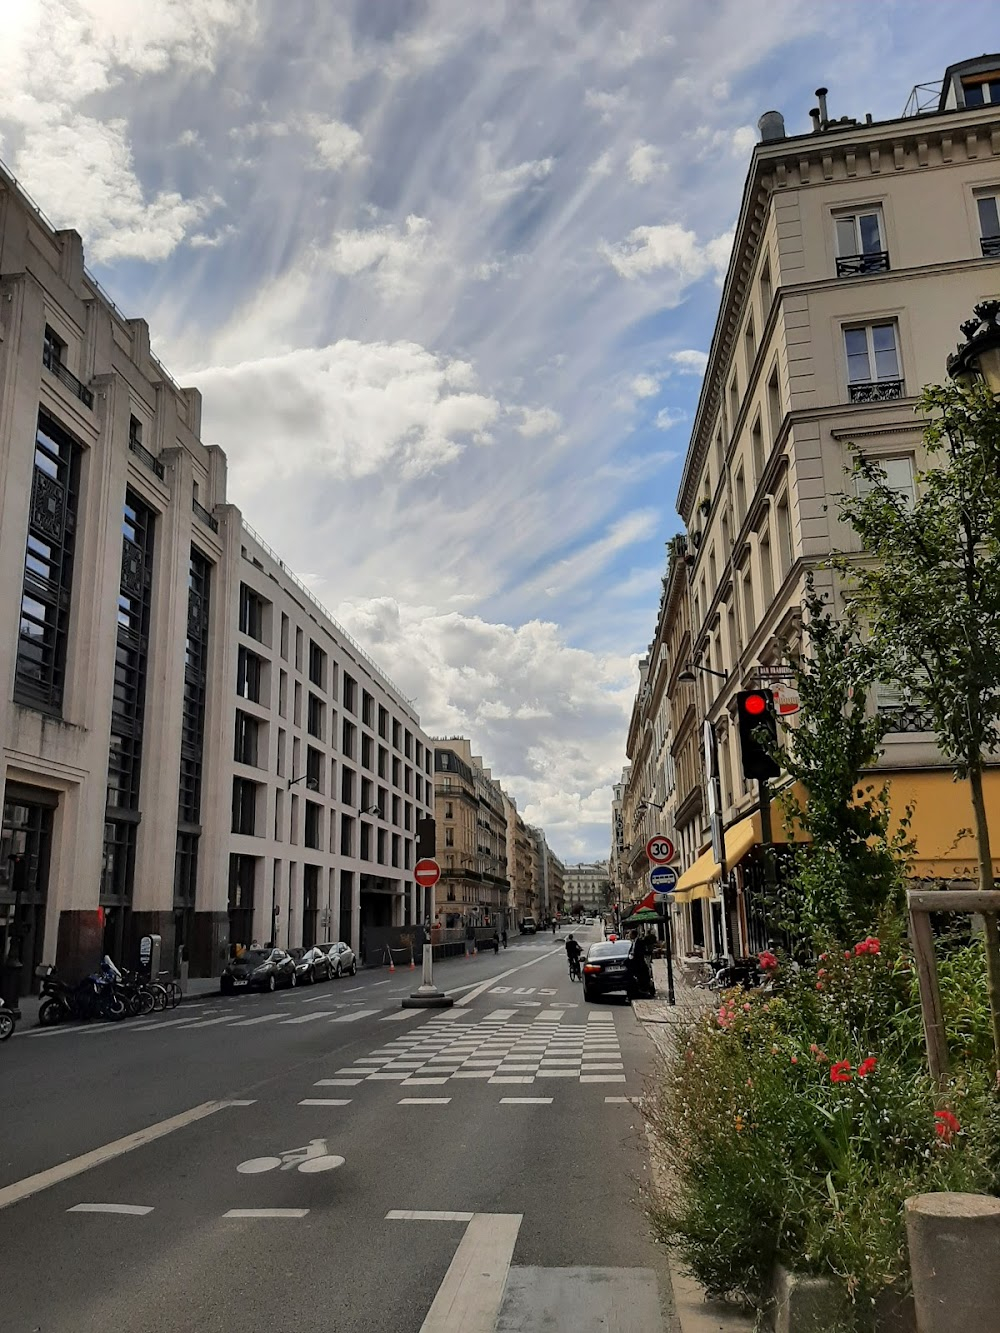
659, 850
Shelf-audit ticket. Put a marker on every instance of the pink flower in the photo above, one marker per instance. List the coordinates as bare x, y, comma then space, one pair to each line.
947, 1125
819, 985
821, 972
840, 1071
768, 960
746, 1008
847, 953
866, 1066
795, 1059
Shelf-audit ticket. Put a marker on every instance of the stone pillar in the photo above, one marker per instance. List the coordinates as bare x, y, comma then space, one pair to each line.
954, 1242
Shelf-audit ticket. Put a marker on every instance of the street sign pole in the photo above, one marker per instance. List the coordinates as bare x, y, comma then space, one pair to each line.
427, 872
671, 998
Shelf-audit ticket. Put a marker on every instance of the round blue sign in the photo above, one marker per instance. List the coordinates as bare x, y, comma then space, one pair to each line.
663, 879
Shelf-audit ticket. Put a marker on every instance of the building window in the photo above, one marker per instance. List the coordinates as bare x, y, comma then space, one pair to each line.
247, 731
981, 89
350, 694
766, 291
346, 835
298, 650
283, 640
898, 474
989, 225
757, 450
347, 776
317, 665
872, 363
861, 243
766, 572
311, 836
381, 845
48, 569
367, 709
315, 716
53, 350
367, 788
734, 401
383, 722
448, 810
248, 672
366, 841
774, 403
397, 735
348, 738
449, 837
383, 762
367, 751
407, 745
244, 806
314, 769
251, 613
750, 346
784, 525
397, 807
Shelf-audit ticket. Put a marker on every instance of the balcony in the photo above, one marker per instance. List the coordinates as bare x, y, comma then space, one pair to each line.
858, 266
991, 247
201, 512
141, 452
875, 391
55, 367
906, 719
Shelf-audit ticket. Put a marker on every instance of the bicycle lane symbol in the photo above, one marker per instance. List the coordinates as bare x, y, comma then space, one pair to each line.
310, 1159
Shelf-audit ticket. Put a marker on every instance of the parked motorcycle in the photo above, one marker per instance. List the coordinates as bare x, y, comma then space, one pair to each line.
8, 1022
96, 996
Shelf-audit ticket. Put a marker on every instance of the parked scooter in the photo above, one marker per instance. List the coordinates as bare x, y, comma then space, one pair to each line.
8, 1022
96, 996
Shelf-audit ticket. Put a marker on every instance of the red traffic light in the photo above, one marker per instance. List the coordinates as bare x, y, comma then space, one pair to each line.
755, 703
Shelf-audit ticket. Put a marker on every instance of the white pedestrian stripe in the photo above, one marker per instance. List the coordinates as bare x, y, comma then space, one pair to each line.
250, 1022
423, 1101
267, 1212
403, 1013
416, 1215
309, 1018
207, 1022
525, 1101
128, 1209
337, 1083
325, 1101
351, 1018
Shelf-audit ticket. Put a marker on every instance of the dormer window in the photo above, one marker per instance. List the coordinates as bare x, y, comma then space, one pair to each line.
861, 243
982, 89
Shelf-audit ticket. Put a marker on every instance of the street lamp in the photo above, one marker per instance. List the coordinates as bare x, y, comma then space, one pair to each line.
689, 678
311, 783
978, 358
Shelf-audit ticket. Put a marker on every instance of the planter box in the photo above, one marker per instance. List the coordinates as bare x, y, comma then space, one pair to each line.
803, 1304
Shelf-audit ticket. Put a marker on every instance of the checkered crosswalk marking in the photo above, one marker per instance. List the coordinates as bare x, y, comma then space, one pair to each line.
503, 1047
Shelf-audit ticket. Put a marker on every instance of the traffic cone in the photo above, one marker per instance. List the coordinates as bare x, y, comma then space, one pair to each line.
392, 965
413, 966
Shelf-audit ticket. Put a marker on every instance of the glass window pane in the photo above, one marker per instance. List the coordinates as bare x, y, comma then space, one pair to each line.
871, 233
856, 343
974, 94
994, 87
884, 343
989, 219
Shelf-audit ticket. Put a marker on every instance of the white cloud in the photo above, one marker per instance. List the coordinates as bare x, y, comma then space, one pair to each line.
499, 185
337, 144
603, 165
689, 361
538, 421
645, 386
644, 164
604, 102
204, 241
396, 255
667, 418
668, 246
737, 142
349, 410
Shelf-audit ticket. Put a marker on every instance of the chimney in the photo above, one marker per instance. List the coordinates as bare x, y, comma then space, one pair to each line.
771, 126
824, 119
814, 115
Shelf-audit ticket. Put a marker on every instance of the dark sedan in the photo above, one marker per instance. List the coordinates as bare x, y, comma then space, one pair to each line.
615, 966
258, 969
311, 965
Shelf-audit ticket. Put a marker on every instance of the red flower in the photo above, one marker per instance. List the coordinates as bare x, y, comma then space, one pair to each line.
819, 985
869, 945
840, 1071
947, 1125
768, 960
866, 1066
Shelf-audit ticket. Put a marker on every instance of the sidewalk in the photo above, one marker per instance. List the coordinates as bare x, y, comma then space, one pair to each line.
695, 1312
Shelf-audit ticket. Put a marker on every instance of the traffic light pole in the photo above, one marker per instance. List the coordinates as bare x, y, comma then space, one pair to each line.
764, 796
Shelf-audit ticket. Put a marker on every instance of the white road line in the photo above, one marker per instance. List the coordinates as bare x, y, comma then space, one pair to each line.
602, 1078
129, 1209
416, 1215
250, 1022
325, 1101
468, 1299
386, 1076
465, 1073
519, 1078
380, 983
23, 1189
423, 1101
207, 1022
310, 1017
337, 1083
421, 1082
485, 985
403, 1013
618, 1101
349, 990
556, 1073
266, 1212
350, 1018
525, 1101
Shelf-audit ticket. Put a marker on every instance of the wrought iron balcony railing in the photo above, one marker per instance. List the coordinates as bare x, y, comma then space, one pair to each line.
151, 461
56, 367
991, 246
907, 719
875, 391
856, 266
201, 512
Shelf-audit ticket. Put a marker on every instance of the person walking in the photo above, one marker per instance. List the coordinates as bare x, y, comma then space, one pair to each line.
503, 937
496, 942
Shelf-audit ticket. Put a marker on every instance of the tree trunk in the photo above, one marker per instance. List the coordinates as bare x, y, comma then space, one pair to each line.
992, 934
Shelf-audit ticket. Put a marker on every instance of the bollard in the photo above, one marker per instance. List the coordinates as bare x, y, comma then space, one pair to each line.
954, 1243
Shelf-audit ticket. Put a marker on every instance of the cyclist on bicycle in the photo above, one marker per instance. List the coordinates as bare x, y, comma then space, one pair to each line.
574, 953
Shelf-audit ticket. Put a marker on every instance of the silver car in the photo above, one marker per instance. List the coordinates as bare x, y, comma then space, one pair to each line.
342, 959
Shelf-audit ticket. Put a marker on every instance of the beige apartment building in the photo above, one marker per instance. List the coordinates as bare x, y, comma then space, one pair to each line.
523, 897
585, 885
474, 888
191, 746
859, 250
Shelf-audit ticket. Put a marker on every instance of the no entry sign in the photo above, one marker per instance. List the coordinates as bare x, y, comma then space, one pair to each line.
427, 873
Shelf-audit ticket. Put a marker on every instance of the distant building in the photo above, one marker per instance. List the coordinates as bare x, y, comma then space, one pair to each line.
587, 884
472, 832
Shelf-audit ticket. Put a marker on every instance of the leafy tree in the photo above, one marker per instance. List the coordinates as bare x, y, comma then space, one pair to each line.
931, 595
851, 870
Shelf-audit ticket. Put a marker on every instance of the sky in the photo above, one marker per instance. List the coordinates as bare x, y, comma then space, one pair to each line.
446, 275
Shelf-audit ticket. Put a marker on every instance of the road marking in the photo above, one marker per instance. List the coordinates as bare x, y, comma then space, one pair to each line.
325, 1101
403, 1013
208, 1022
556, 1073
468, 1299
310, 1017
266, 1212
467, 1073
417, 1082
380, 983
525, 1101
23, 1189
336, 1083
249, 1022
602, 1078
518, 1078
618, 1101
486, 985
423, 1101
349, 990
129, 1209
416, 1215
350, 1018
385, 1076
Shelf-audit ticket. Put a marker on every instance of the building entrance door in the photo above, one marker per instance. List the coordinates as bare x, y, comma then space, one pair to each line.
25, 844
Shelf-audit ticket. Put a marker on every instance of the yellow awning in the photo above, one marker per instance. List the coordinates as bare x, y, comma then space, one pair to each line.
943, 825
699, 891
738, 839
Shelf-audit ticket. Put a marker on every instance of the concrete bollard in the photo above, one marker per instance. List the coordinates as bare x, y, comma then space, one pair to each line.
954, 1243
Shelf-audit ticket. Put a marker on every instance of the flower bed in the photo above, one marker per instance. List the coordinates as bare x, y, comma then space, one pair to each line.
797, 1118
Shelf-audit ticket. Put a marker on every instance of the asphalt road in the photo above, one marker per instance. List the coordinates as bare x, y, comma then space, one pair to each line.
323, 1159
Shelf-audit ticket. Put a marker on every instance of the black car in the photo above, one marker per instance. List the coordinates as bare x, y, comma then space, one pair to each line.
614, 965
311, 965
258, 969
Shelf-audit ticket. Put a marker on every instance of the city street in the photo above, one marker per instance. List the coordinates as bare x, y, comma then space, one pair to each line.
321, 1158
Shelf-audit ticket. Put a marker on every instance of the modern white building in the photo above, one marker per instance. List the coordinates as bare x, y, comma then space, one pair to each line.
191, 746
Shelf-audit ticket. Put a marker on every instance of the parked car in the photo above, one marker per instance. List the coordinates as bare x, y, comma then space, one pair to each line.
258, 969
312, 965
615, 966
341, 958
529, 926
